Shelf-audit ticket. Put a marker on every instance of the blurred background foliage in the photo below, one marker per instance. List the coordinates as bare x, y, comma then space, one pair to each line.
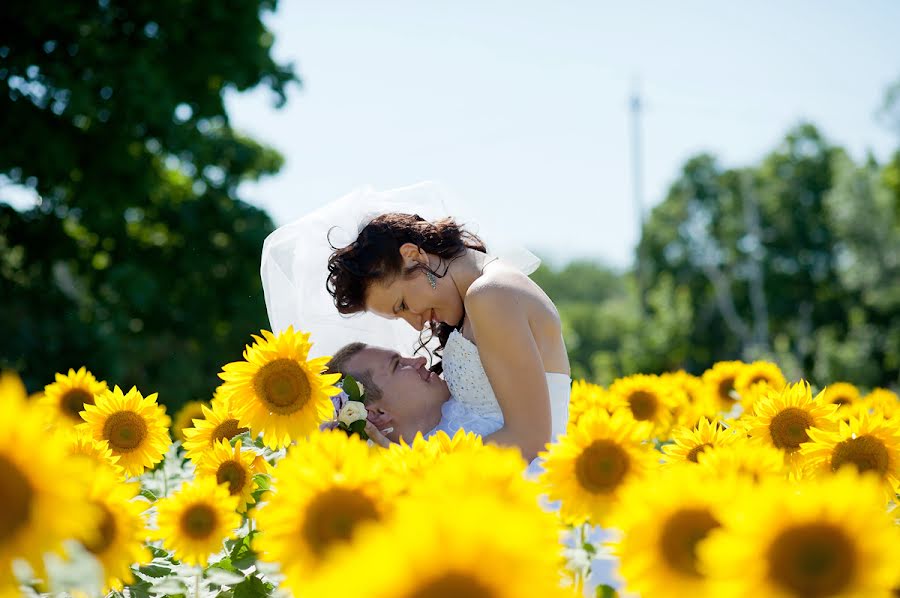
141, 262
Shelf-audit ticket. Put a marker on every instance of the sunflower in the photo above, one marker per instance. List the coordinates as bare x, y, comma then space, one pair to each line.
587, 467
720, 380
43, 494
869, 442
755, 379
489, 469
841, 394
742, 459
82, 443
118, 541
649, 399
185, 418
825, 537
688, 443
662, 520
883, 401
587, 397
230, 464
277, 390
698, 402
134, 426
472, 546
219, 422
326, 487
783, 420
195, 521
64, 400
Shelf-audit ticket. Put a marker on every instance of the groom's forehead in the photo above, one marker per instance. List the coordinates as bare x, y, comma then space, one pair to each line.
379, 359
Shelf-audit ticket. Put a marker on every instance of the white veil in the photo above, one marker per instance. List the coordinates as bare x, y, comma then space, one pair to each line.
295, 257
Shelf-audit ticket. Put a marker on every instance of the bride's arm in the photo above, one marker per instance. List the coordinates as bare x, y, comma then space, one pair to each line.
514, 367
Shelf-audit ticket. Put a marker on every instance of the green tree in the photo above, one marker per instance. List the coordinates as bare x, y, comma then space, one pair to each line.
139, 261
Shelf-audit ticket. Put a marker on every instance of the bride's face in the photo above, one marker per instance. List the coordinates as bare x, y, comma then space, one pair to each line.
411, 296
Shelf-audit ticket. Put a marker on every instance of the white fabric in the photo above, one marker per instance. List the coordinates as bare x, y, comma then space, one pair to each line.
295, 258
456, 416
470, 386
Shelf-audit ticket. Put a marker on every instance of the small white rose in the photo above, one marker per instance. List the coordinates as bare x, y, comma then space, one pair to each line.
352, 411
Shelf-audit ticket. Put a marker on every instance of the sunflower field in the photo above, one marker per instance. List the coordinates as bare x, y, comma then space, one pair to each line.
738, 482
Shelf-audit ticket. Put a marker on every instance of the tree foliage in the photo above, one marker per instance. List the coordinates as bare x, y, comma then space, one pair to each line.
139, 260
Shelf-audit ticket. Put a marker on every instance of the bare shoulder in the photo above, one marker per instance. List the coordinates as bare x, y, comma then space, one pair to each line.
505, 289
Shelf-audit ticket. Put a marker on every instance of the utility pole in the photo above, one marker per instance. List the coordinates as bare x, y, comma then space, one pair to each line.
637, 187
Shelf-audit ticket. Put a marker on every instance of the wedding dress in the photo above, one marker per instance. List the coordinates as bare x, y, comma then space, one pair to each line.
470, 386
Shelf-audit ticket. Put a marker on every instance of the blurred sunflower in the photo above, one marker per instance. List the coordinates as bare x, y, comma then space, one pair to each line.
277, 390
118, 540
405, 463
230, 464
720, 380
471, 546
662, 520
883, 401
195, 521
185, 418
688, 443
587, 397
755, 379
841, 394
868, 442
43, 494
587, 467
82, 443
826, 537
698, 402
135, 427
783, 420
217, 423
494, 470
649, 399
327, 486
64, 399
752, 461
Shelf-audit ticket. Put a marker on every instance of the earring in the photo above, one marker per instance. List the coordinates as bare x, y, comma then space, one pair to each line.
431, 279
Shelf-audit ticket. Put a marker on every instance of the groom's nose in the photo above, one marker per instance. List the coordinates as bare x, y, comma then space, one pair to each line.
416, 362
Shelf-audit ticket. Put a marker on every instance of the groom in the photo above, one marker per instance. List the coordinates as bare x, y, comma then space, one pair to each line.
404, 397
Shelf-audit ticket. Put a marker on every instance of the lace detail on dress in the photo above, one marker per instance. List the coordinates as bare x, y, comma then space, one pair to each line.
467, 379
470, 386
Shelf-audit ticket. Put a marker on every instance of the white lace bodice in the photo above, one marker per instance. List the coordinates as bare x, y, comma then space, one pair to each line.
470, 386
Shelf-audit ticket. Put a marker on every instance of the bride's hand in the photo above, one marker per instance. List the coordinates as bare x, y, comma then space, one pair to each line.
376, 436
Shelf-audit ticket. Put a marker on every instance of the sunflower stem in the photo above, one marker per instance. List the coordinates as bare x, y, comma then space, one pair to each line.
197, 583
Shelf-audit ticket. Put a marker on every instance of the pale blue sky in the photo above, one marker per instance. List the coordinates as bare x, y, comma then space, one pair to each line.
521, 107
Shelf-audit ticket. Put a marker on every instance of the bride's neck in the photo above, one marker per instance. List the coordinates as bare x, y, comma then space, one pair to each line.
464, 270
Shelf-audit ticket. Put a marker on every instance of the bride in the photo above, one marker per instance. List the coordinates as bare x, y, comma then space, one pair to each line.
499, 334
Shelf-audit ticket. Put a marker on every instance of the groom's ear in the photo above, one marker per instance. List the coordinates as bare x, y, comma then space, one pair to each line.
412, 254
380, 418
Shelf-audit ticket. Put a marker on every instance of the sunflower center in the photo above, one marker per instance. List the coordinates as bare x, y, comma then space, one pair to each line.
452, 585
283, 386
813, 559
725, 388
124, 431
199, 521
106, 532
788, 428
841, 401
233, 473
16, 496
73, 401
680, 535
866, 452
333, 515
643, 405
601, 466
226, 430
692, 454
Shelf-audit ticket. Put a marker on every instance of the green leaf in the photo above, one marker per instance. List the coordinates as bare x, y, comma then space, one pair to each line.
351, 388
253, 587
149, 495
358, 427
606, 591
263, 481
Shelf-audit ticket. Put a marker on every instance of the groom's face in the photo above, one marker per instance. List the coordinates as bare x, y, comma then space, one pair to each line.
409, 390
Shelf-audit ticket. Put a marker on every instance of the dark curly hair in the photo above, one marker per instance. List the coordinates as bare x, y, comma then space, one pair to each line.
375, 257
